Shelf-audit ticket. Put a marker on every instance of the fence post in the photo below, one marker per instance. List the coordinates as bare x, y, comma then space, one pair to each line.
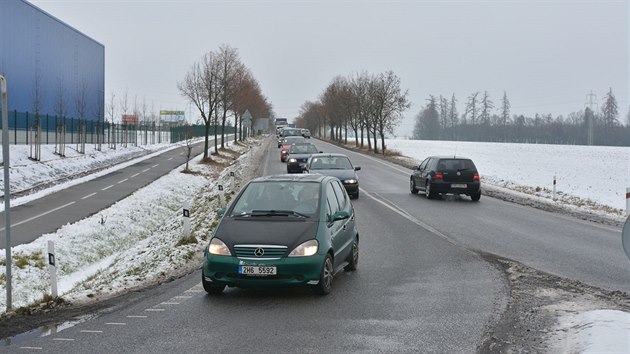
14, 127
26, 128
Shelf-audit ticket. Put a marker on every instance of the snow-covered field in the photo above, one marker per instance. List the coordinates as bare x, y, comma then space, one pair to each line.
588, 176
139, 240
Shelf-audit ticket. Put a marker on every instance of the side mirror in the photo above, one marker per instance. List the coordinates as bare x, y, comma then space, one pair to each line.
321, 152
415, 167
340, 215
221, 212
357, 168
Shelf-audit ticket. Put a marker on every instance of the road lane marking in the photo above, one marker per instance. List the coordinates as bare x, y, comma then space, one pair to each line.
145, 170
427, 227
116, 323
64, 339
183, 297
108, 187
135, 175
137, 316
39, 216
170, 159
34, 348
154, 310
169, 303
123, 181
156, 165
89, 331
89, 195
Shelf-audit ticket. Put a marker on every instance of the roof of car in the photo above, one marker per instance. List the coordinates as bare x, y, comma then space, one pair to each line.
331, 154
451, 157
291, 177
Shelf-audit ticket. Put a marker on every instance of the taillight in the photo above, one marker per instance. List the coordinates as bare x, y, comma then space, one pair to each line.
438, 175
476, 177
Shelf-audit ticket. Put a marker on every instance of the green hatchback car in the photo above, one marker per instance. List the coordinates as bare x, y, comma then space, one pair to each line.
283, 230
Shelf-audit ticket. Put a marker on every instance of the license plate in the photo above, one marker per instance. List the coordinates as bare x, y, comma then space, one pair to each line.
455, 185
256, 270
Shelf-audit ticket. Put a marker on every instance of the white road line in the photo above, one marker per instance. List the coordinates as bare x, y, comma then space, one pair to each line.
64, 339
135, 175
34, 348
193, 291
145, 170
183, 297
116, 323
108, 187
169, 303
170, 159
154, 310
156, 165
88, 331
39, 216
123, 181
89, 195
137, 316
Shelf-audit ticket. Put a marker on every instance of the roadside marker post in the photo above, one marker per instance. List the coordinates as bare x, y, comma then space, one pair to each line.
186, 214
627, 201
52, 268
221, 203
7, 190
625, 237
554, 188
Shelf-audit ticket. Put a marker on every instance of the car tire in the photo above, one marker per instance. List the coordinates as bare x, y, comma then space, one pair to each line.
210, 288
353, 259
428, 191
326, 276
475, 197
412, 186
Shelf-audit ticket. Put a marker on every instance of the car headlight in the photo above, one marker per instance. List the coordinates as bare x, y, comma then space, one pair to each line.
351, 181
292, 160
284, 151
219, 248
308, 248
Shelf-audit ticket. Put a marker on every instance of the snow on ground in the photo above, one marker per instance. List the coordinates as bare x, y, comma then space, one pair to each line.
139, 240
593, 177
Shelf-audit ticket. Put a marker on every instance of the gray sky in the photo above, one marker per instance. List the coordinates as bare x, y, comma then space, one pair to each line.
547, 55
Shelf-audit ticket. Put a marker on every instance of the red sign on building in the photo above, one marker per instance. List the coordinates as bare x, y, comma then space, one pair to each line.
130, 118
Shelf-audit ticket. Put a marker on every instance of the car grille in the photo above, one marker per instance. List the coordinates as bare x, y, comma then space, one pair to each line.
269, 251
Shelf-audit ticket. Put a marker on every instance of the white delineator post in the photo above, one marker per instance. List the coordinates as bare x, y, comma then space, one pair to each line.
627, 201
52, 268
554, 187
186, 212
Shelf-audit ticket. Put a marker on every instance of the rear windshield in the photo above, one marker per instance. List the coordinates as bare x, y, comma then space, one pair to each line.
303, 149
331, 163
455, 165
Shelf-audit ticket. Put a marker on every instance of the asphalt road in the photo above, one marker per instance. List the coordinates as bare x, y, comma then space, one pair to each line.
420, 286
415, 291
44, 215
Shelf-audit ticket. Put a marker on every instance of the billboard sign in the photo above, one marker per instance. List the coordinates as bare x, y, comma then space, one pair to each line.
130, 118
172, 116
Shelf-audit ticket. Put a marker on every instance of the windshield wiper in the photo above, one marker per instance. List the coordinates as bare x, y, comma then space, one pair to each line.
278, 213
462, 169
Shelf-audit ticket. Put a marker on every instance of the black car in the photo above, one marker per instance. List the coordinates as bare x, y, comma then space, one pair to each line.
337, 165
438, 175
298, 155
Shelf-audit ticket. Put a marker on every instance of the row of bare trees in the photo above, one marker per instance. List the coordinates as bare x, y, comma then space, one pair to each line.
117, 106
368, 105
221, 87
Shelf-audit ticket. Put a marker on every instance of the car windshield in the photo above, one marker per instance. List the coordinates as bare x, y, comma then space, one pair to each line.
293, 140
303, 149
331, 163
278, 198
291, 132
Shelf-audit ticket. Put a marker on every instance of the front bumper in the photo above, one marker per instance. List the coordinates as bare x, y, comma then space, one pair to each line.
295, 167
351, 188
290, 271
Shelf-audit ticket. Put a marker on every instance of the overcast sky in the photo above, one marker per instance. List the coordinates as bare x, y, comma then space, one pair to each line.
547, 55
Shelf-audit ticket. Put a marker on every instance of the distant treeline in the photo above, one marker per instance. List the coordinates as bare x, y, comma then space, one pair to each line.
439, 120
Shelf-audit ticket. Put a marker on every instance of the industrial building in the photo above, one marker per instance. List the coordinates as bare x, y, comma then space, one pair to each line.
50, 67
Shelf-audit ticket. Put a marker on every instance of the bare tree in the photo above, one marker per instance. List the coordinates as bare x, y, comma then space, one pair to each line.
486, 107
230, 75
610, 110
472, 108
389, 102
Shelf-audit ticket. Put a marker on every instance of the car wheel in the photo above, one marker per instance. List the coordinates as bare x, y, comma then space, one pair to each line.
353, 259
428, 191
325, 277
412, 186
211, 288
475, 197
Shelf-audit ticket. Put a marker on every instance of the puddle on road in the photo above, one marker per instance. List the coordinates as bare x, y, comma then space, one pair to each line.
44, 331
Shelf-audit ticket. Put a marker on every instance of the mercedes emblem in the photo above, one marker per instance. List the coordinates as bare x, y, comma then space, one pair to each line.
259, 252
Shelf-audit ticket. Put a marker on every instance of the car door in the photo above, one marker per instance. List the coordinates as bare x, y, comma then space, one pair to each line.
335, 228
419, 174
347, 226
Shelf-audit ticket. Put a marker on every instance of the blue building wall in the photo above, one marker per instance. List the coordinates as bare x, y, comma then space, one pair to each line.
39, 51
